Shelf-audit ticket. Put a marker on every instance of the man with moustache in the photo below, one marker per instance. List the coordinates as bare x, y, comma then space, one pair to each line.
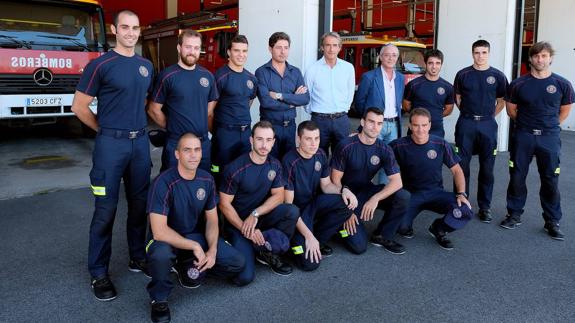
188, 92
237, 88
121, 80
538, 102
281, 89
331, 85
251, 196
431, 92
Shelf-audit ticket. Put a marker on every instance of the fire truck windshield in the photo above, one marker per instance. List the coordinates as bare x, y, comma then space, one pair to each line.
51, 26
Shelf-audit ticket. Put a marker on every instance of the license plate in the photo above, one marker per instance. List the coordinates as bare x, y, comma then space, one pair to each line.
41, 102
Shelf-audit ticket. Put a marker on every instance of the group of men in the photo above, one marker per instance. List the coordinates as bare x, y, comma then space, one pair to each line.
283, 199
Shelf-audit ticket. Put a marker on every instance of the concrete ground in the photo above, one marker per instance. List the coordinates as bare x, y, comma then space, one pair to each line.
492, 275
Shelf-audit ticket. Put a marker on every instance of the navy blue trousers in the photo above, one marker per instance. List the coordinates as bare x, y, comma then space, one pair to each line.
331, 131
436, 200
228, 143
285, 139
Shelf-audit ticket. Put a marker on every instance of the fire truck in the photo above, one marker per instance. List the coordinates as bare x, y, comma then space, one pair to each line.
44, 47
160, 39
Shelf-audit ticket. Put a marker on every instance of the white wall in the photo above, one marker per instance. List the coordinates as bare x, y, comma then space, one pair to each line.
460, 23
556, 25
299, 19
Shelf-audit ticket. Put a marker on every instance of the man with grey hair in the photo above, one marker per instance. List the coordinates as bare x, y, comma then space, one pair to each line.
331, 84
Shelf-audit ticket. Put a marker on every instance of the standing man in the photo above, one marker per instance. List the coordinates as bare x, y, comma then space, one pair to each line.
421, 157
431, 92
538, 102
121, 80
281, 89
355, 162
177, 200
324, 206
189, 94
237, 88
331, 85
479, 92
251, 196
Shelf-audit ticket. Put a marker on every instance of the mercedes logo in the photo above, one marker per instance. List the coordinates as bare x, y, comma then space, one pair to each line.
43, 77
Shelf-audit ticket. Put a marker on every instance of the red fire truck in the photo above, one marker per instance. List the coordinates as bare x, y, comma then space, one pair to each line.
44, 47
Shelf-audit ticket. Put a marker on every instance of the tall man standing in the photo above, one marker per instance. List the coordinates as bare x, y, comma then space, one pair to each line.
479, 92
538, 102
121, 80
431, 92
189, 93
331, 85
281, 89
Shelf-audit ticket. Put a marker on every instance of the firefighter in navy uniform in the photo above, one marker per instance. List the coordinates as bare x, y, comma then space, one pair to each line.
538, 102
121, 80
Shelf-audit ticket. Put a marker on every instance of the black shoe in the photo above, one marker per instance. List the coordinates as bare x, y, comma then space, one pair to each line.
137, 266
325, 250
510, 222
406, 233
485, 216
553, 231
104, 289
184, 278
389, 245
274, 262
160, 312
441, 238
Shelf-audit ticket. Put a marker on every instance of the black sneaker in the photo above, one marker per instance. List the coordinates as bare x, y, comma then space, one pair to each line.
184, 278
137, 266
510, 222
441, 238
104, 289
485, 216
389, 245
160, 312
274, 262
406, 233
325, 250
553, 231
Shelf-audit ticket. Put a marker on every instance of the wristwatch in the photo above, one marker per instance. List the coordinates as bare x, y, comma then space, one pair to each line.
255, 214
279, 96
461, 194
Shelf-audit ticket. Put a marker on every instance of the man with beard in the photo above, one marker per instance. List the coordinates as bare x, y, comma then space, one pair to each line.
189, 94
538, 102
251, 196
432, 92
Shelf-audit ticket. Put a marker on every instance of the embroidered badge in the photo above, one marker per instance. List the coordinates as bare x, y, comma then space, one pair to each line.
551, 89
431, 154
271, 174
457, 213
317, 166
490, 80
204, 82
143, 71
374, 160
200, 194
440, 91
250, 84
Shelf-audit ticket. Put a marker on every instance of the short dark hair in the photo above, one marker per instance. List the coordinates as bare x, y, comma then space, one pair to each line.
541, 46
264, 124
121, 11
433, 53
188, 33
419, 112
372, 110
277, 36
238, 39
186, 136
480, 43
306, 125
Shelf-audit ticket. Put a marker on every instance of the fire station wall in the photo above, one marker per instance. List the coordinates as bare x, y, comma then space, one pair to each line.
459, 24
299, 19
555, 24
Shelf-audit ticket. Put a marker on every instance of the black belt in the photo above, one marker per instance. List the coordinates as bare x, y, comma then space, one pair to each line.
476, 117
122, 134
284, 123
329, 115
394, 119
242, 127
538, 132
177, 137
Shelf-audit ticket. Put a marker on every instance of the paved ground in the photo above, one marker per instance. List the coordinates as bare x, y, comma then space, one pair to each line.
493, 274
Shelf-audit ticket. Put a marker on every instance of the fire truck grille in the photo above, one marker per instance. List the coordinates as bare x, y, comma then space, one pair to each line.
24, 84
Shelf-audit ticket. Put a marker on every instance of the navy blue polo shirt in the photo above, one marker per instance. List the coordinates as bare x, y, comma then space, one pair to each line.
421, 165
303, 175
236, 90
360, 162
270, 80
539, 101
185, 95
479, 90
182, 201
250, 183
432, 95
122, 85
